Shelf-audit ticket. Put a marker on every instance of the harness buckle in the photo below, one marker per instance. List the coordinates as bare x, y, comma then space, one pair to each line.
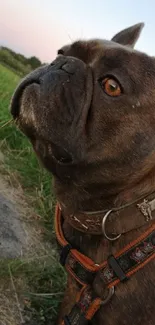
115, 237
109, 296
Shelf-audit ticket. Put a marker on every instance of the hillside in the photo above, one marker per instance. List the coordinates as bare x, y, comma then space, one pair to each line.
18, 62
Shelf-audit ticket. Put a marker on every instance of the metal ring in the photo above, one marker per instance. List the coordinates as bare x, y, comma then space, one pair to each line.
104, 230
110, 294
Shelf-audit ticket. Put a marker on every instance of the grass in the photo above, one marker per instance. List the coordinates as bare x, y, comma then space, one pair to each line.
20, 156
35, 283
43, 276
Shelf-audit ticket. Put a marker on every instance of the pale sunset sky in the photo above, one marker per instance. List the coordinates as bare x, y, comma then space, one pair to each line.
40, 27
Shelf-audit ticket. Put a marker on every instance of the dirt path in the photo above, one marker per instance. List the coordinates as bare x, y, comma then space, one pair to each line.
13, 236
20, 243
19, 231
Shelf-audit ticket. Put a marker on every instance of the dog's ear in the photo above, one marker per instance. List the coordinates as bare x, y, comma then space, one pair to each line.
129, 36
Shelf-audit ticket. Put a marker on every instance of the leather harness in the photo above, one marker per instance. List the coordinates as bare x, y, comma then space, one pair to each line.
117, 268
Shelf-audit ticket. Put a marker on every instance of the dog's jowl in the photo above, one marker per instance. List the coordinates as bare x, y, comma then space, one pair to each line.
90, 116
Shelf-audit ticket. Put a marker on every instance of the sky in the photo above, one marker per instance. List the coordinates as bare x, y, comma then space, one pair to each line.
40, 27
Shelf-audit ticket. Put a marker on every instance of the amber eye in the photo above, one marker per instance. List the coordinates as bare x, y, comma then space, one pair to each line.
111, 87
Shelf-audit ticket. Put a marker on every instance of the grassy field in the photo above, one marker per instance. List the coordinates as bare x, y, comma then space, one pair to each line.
46, 276
19, 154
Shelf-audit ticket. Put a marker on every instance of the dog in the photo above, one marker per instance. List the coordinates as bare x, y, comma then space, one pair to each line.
90, 116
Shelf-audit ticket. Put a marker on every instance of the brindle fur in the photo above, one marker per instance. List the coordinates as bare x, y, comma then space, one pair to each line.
112, 144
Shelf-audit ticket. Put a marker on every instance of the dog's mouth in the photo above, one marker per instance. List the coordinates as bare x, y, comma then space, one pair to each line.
43, 148
60, 154
52, 152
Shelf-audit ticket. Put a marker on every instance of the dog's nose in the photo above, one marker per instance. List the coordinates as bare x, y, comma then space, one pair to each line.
68, 64
45, 76
69, 67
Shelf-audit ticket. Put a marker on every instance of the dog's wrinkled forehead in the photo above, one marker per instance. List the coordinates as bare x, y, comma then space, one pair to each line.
88, 51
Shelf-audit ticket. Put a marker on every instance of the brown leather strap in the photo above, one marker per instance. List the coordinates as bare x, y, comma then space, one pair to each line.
87, 304
120, 221
117, 268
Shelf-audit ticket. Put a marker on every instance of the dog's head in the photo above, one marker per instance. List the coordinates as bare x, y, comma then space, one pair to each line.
90, 114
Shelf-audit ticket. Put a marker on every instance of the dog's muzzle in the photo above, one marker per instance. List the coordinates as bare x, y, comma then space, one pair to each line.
51, 107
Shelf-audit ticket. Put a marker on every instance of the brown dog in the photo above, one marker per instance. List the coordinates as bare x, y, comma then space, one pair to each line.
90, 116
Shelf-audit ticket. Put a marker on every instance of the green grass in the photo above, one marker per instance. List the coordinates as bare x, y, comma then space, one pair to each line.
20, 156
37, 284
36, 182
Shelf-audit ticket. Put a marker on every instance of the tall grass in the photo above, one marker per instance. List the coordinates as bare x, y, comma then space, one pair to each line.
43, 276
20, 156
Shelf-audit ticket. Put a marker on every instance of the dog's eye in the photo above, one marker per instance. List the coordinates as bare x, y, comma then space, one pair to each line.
111, 87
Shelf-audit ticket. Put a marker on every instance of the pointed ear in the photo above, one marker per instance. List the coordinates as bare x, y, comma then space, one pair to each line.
129, 36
